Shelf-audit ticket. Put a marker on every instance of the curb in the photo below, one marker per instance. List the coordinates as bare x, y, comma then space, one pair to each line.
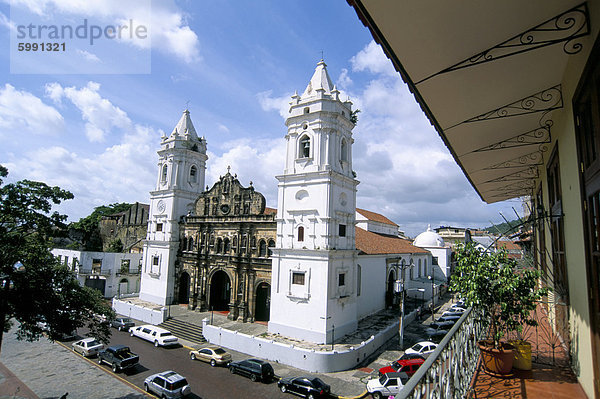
106, 371
362, 395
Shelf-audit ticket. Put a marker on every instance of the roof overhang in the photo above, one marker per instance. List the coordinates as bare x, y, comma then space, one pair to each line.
487, 75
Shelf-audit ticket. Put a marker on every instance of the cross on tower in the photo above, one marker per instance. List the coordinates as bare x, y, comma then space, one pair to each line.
228, 168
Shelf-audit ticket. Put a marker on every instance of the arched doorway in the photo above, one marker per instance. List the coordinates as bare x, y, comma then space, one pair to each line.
184, 288
220, 291
389, 293
263, 302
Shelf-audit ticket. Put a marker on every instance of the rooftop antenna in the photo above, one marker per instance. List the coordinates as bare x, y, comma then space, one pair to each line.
187, 104
322, 55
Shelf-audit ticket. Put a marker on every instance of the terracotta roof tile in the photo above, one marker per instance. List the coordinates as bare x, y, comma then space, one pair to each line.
375, 217
270, 211
508, 245
370, 243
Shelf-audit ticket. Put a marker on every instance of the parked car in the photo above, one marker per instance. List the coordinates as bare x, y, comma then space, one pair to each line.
452, 313
119, 357
456, 308
387, 385
408, 366
214, 356
167, 384
452, 319
304, 386
87, 346
423, 348
255, 369
157, 335
407, 356
122, 323
439, 325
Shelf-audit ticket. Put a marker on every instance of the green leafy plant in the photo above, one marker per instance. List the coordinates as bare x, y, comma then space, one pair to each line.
494, 283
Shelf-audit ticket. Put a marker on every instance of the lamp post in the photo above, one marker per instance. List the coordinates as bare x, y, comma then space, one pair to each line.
400, 289
432, 295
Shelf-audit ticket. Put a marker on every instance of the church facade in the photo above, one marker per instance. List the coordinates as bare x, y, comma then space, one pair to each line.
313, 267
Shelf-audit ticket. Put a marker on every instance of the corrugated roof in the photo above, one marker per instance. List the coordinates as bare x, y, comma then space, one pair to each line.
375, 217
371, 243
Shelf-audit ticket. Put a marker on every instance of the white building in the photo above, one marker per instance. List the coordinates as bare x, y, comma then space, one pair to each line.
441, 254
113, 274
181, 171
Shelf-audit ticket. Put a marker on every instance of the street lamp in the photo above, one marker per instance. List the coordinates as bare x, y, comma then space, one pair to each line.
432, 295
400, 289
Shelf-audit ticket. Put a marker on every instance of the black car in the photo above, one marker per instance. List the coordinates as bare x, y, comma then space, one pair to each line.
255, 369
308, 387
122, 323
407, 356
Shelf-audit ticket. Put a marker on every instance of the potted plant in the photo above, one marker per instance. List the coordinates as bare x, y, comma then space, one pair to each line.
505, 293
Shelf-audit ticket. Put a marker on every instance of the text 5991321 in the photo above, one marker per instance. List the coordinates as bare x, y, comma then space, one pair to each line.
44, 46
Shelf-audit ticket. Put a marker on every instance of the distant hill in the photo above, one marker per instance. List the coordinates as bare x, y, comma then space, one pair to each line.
503, 228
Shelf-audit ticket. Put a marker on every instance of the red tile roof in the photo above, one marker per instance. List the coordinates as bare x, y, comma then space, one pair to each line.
270, 211
370, 243
508, 245
375, 217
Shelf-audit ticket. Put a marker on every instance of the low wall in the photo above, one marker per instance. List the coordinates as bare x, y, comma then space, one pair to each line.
305, 359
147, 315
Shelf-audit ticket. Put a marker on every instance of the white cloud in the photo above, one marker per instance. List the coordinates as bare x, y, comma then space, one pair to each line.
372, 59
100, 114
269, 103
223, 128
21, 111
88, 56
344, 80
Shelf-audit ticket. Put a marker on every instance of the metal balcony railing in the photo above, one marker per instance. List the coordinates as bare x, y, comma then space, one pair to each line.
94, 272
448, 372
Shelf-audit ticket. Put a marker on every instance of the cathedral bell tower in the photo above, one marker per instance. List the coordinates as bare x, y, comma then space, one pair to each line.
313, 291
181, 170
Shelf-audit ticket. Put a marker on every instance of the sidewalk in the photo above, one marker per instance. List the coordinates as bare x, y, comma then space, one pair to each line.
26, 371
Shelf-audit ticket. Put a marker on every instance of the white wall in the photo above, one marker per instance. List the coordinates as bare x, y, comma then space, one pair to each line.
147, 315
372, 292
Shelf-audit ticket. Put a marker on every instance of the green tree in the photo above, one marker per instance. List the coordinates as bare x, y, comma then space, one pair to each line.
89, 224
36, 291
115, 246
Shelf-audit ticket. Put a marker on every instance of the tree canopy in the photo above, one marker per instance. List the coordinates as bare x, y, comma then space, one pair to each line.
89, 224
37, 292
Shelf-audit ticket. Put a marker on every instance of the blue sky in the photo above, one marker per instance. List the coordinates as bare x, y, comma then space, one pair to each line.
237, 64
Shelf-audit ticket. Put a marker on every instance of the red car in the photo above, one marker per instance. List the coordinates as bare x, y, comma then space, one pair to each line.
408, 366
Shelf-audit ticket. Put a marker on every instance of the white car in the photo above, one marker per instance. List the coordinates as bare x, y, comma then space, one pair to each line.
87, 346
423, 348
387, 385
158, 336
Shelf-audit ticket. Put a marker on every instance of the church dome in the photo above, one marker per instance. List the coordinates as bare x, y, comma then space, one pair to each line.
429, 239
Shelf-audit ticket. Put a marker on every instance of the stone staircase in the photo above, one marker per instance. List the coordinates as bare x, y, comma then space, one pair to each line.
184, 330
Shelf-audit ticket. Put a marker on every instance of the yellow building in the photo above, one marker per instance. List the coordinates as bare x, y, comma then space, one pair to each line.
513, 89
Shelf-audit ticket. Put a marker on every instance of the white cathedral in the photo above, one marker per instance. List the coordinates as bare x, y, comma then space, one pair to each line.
332, 264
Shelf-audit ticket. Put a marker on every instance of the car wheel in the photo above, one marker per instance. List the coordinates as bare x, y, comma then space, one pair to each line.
213, 362
99, 360
231, 370
115, 368
146, 387
156, 344
283, 388
311, 396
131, 334
377, 395
120, 328
253, 377
192, 356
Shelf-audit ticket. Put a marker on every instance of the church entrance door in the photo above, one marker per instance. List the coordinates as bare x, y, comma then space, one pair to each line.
184, 288
220, 291
263, 302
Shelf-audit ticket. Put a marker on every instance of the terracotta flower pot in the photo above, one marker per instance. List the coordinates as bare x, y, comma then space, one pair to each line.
497, 361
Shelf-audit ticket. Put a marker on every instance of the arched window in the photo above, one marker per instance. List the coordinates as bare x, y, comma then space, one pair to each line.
304, 150
419, 267
344, 149
219, 245
253, 242
300, 233
358, 279
163, 177
227, 245
425, 267
235, 244
184, 243
271, 245
262, 248
191, 244
307, 110
412, 272
193, 174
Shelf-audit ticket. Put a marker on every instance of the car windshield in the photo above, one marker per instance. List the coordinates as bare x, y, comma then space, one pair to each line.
126, 320
417, 347
382, 379
165, 334
395, 365
177, 384
93, 343
219, 351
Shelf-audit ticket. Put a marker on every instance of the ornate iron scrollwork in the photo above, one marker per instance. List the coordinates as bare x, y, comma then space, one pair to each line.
533, 158
540, 135
529, 173
564, 28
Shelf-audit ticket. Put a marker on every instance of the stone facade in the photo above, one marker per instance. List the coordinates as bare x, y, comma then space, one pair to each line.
128, 226
224, 261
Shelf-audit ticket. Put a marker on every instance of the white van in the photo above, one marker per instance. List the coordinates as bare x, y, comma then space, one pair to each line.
158, 336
